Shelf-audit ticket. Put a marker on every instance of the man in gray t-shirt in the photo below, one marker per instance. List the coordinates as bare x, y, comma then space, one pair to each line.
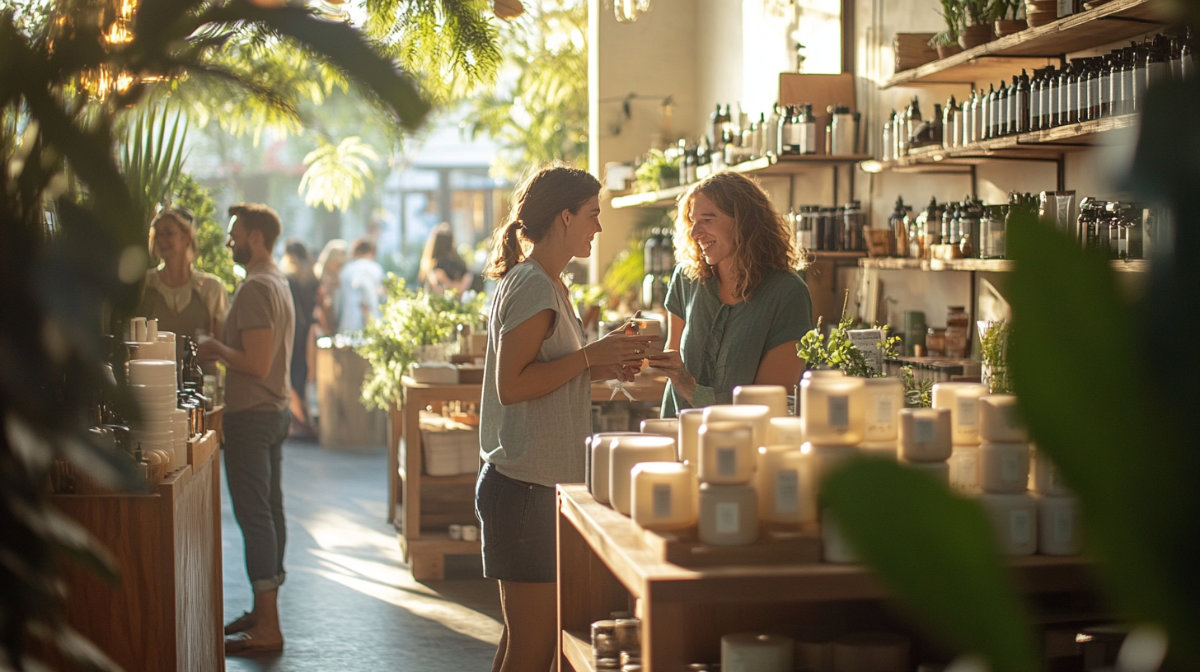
256, 348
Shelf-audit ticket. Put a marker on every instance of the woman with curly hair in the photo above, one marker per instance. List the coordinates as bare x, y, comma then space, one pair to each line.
736, 307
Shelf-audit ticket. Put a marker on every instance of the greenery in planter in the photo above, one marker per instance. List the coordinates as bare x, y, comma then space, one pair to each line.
951, 13
837, 351
1006, 10
656, 171
410, 319
977, 13
994, 353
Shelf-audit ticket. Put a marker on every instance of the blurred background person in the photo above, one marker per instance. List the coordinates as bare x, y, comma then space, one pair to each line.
184, 300
442, 268
360, 288
297, 265
328, 270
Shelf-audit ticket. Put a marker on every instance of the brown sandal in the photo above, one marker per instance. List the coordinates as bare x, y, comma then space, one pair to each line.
241, 623
245, 644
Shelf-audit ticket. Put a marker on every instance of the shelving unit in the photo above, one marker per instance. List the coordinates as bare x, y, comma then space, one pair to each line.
986, 265
604, 566
1035, 47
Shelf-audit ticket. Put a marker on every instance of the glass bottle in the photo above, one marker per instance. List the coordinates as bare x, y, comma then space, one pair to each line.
1186, 65
1106, 86
1034, 102
898, 229
1020, 106
1000, 115
1158, 70
1050, 99
950, 124
1139, 77
912, 121
886, 140
771, 131
808, 133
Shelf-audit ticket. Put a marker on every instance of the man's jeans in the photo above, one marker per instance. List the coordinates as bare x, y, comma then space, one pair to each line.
253, 463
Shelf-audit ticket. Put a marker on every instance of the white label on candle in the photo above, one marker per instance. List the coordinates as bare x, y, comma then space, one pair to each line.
728, 517
968, 411
1061, 527
787, 490
1020, 527
839, 411
727, 460
885, 409
1009, 468
661, 494
923, 430
1009, 415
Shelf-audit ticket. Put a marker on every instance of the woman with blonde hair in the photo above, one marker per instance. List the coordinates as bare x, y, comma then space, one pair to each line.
442, 268
184, 300
536, 406
736, 307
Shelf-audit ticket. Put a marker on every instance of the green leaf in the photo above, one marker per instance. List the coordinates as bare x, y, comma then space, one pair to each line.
936, 552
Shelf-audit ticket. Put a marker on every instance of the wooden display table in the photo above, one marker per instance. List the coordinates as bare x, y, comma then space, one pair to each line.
165, 613
603, 566
422, 507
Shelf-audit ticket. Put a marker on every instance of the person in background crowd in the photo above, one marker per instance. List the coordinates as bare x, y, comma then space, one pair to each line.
186, 301
736, 307
536, 406
360, 288
328, 267
297, 265
256, 348
442, 268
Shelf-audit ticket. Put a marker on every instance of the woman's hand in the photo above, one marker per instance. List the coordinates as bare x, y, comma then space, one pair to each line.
670, 362
616, 348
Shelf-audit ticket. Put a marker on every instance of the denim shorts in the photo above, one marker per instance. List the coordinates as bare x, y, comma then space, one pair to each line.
516, 526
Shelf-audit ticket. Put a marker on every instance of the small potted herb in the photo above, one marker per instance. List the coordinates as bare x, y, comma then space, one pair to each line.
975, 22
946, 42
1008, 17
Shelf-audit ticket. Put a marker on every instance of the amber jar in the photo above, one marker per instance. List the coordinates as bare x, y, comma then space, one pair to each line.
935, 342
957, 332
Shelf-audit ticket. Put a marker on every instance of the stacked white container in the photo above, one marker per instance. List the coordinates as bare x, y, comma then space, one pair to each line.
1004, 459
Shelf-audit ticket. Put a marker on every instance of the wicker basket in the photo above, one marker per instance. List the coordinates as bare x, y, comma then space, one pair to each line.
448, 448
912, 49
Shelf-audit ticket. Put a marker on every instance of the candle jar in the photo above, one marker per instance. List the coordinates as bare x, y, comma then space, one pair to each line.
831, 404
690, 422
884, 397
661, 426
756, 416
595, 463
784, 481
774, 397
728, 514
1059, 528
925, 434
664, 495
1014, 521
998, 419
789, 430
726, 452
1004, 467
962, 400
625, 452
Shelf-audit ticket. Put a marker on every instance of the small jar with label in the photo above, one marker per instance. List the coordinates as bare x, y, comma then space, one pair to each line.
957, 332
832, 406
728, 514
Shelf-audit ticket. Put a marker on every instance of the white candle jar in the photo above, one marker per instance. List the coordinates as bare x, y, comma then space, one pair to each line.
964, 469
999, 420
727, 453
1014, 521
661, 426
690, 421
596, 467
1046, 479
825, 459
774, 397
831, 404
784, 481
789, 430
1003, 467
884, 397
938, 471
753, 652
1060, 530
665, 495
755, 415
962, 400
925, 434
728, 514
624, 453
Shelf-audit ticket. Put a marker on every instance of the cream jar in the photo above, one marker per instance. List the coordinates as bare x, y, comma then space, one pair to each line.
925, 434
962, 400
728, 514
756, 652
624, 453
690, 421
831, 404
883, 399
661, 426
727, 453
789, 430
999, 420
597, 463
1003, 467
755, 415
1014, 521
1060, 530
784, 481
774, 397
665, 495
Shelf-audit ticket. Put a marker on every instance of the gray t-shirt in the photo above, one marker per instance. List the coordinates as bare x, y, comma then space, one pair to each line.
722, 345
541, 440
262, 300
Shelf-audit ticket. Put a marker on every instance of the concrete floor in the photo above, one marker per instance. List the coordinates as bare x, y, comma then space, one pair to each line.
350, 603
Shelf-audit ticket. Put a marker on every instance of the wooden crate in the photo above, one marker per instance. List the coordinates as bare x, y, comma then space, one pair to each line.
912, 49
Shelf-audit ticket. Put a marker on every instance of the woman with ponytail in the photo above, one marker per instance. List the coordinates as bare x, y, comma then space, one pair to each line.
536, 409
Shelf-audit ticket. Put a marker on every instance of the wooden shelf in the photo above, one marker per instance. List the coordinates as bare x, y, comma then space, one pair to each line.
972, 265
1035, 47
1047, 145
788, 164
577, 648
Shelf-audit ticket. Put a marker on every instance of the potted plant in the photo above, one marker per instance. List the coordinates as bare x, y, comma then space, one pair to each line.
993, 341
946, 42
838, 351
1007, 16
975, 22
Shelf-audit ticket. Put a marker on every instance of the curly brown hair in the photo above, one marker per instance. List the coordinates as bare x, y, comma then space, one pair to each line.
762, 238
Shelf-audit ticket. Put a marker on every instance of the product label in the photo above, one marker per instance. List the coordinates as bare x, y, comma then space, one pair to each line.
885, 409
726, 460
728, 517
968, 411
839, 411
923, 430
1010, 468
1008, 415
1020, 527
787, 490
661, 497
